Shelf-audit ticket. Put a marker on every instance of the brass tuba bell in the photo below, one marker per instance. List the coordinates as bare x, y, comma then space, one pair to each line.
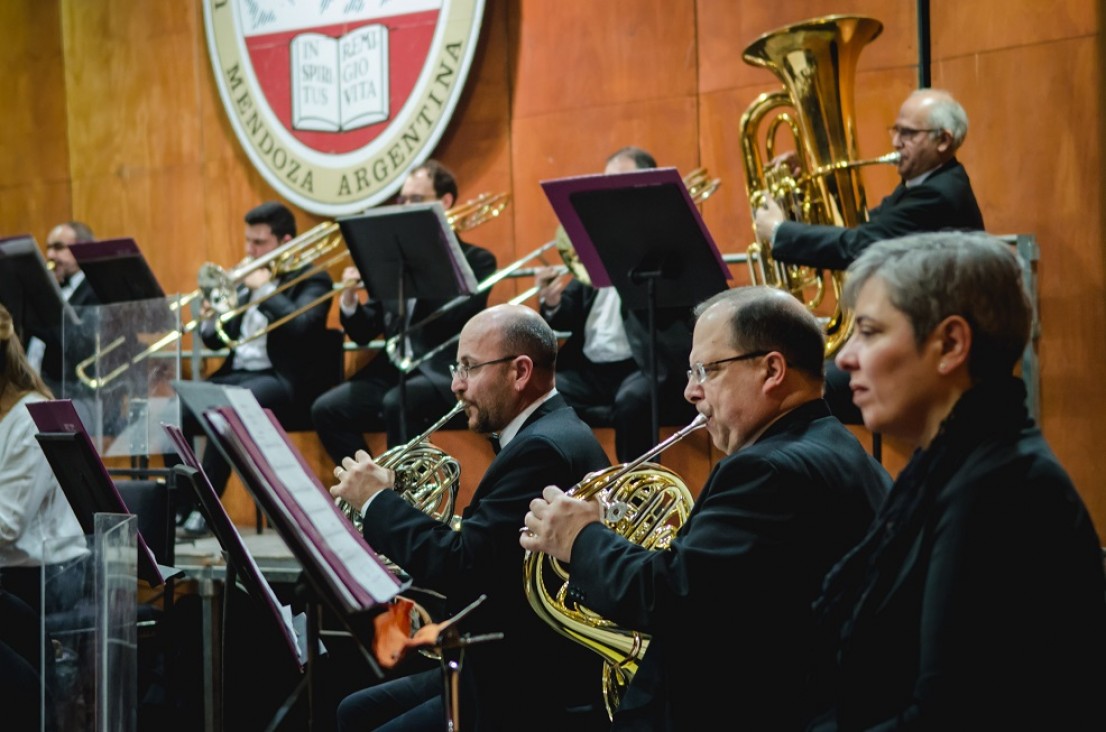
645, 503
816, 61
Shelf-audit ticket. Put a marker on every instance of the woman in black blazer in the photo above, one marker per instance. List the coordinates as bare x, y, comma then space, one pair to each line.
977, 599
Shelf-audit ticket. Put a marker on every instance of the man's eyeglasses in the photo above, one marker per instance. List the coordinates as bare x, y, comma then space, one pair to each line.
413, 198
701, 370
906, 134
462, 371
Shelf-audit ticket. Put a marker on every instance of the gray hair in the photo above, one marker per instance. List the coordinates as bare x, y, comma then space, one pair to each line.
932, 276
946, 114
769, 319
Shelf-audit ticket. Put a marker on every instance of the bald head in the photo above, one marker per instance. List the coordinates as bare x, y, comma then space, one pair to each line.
506, 356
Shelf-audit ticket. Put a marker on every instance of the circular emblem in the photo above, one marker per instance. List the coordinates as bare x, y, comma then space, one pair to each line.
335, 100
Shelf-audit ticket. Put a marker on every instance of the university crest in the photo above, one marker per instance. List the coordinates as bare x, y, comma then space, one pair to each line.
335, 100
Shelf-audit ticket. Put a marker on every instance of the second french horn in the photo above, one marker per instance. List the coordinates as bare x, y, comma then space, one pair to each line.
643, 502
426, 476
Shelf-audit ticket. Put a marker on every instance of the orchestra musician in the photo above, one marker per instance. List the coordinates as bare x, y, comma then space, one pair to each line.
371, 400
603, 369
533, 679
44, 346
934, 194
795, 491
280, 367
977, 599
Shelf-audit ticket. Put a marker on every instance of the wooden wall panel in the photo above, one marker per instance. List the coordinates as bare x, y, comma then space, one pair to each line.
117, 120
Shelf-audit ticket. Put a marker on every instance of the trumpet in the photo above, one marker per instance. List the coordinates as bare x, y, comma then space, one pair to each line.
425, 475
644, 503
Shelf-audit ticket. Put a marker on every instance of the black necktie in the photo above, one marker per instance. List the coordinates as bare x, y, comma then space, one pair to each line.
494, 440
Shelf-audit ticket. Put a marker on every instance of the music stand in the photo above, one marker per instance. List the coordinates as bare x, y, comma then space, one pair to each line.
116, 271
27, 288
407, 252
83, 477
641, 233
240, 565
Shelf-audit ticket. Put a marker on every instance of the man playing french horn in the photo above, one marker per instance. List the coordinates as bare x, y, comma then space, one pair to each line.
533, 679
795, 491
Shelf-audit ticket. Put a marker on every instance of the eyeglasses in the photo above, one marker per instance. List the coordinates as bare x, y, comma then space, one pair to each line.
906, 134
463, 371
413, 198
701, 370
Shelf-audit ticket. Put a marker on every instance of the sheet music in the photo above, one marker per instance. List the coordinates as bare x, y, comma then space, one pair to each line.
312, 498
239, 552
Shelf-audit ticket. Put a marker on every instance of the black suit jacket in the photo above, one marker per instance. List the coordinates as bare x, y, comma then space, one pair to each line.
294, 347
531, 678
728, 604
944, 200
674, 328
987, 608
80, 341
382, 316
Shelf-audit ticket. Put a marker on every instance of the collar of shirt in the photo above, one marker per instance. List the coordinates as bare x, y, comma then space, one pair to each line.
919, 179
72, 284
508, 433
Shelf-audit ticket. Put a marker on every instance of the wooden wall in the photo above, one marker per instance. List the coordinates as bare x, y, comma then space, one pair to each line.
114, 118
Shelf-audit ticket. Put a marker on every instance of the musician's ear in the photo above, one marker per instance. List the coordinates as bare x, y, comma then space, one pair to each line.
447, 201
524, 371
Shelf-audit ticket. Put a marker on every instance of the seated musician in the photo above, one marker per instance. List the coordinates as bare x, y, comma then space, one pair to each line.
371, 400
603, 368
934, 193
728, 603
977, 599
44, 346
533, 679
279, 366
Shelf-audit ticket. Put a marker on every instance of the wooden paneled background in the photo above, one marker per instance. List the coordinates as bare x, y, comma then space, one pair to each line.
113, 118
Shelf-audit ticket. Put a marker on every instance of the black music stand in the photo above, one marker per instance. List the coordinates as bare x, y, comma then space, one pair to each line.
407, 252
116, 271
641, 233
27, 288
240, 565
329, 576
83, 477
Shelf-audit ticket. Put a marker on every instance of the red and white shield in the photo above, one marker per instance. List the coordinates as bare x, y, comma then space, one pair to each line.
335, 100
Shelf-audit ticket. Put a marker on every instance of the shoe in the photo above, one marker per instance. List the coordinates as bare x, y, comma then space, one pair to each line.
194, 526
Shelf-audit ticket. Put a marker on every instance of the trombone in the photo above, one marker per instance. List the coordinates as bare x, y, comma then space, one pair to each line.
700, 186
218, 287
469, 215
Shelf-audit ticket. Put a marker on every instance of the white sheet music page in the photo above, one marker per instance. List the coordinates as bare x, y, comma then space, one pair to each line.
315, 503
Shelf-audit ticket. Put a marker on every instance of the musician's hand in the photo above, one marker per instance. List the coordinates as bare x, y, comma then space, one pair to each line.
766, 218
790, 159
257, 278
206, 311
351, 279
551, 282
554, 522
359, 479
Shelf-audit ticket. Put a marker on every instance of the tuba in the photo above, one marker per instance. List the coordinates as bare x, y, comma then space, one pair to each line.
426, 476
645, 503
816, 61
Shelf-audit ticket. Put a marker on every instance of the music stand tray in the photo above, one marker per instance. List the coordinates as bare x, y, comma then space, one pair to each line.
408, 251
27, 288
116, 271
634, 228
83, 477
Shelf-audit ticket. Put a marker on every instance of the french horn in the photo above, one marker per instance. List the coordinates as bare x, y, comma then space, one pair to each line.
426, 476
643, 502
816, 61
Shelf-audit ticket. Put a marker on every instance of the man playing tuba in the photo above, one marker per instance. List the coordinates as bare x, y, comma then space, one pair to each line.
794, 493
935, 193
